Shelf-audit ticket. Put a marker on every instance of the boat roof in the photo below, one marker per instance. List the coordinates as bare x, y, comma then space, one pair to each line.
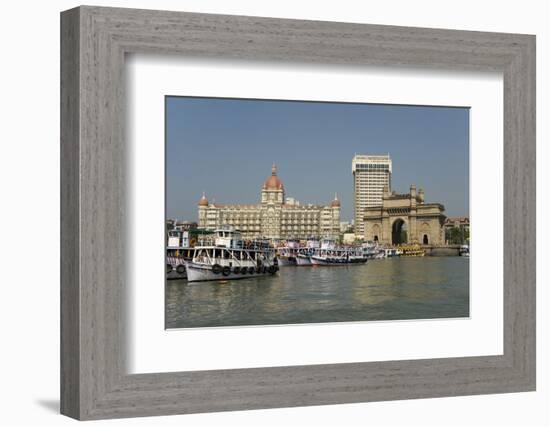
227, 228
265, 249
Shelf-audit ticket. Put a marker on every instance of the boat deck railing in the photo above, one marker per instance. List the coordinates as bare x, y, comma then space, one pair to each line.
242, 244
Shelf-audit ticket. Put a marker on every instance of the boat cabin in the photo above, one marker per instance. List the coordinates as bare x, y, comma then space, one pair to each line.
178, 239
328, 243
228, 237
312, 243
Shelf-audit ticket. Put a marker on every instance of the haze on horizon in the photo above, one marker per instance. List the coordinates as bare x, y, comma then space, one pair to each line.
226, 147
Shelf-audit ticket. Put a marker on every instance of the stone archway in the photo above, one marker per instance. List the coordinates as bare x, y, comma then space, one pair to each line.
425, 234
405, 218
376, 233
399, 232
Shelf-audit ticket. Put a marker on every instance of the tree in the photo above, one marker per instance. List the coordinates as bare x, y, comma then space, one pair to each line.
456, 236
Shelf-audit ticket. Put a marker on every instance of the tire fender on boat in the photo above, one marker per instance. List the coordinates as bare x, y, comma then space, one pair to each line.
226, 271
216, 269
180, 269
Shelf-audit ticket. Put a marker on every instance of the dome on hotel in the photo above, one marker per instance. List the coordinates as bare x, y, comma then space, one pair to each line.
203, 201
273, 182
335, 203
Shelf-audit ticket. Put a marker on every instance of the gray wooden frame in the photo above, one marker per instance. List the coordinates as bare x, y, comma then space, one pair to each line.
94, 382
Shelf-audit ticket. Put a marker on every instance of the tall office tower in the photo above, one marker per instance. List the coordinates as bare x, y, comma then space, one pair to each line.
371, 174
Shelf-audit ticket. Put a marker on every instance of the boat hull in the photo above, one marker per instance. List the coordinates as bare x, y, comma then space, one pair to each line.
286, 261
204, 273
175, 268
303, 260
327, 262
174, 275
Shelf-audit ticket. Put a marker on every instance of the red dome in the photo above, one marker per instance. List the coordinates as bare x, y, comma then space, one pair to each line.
203, 201
273, 182
335, 203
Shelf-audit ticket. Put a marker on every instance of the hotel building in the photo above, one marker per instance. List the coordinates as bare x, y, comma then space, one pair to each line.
371, 174
275, 217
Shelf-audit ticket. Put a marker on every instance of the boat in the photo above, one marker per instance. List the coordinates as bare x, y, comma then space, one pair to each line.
412, 251
178, 249
227, 256
330, 254
371, 250
464, 251
391, 252
286, 254
303, 257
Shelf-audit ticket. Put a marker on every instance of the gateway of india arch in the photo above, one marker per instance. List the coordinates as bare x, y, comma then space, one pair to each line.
405, 218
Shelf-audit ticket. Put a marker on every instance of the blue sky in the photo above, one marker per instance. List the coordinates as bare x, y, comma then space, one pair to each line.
225, 147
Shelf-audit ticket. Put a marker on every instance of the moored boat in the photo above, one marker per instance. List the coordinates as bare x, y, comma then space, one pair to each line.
391, 252
286, 260
286, 254
228, 257
371, 250
330, 254
303, 258
412, 251
178, 250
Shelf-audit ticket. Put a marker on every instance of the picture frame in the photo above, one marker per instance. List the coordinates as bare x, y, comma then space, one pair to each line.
94, 380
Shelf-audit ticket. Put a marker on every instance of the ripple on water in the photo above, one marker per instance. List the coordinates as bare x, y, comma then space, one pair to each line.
388, 289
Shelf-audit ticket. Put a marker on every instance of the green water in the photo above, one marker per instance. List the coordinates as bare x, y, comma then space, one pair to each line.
387, 289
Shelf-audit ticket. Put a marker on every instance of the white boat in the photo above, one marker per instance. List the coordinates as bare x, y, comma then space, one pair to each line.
391, 252
371, 250
303, 258
286, 260
228, 257
286, 254
330, 254
178, 250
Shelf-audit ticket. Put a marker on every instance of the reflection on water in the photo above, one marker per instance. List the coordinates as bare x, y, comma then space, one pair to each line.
388, 289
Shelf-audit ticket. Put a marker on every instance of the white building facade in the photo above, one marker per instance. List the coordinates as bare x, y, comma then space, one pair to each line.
371, 176
275, 217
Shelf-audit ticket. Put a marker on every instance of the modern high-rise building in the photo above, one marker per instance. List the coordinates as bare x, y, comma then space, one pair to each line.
371, 175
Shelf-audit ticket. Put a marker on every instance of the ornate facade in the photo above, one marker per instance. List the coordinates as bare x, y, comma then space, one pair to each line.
405, 218
274, 217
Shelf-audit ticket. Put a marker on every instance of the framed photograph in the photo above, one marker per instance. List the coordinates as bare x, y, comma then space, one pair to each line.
262, 213
424, 244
